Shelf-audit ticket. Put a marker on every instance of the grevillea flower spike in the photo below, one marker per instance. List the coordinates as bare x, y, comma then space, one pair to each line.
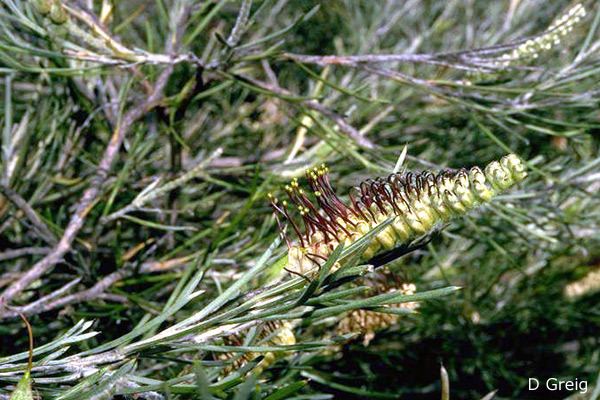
416, 202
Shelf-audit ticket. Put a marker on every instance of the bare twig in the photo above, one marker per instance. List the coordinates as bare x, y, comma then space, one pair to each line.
457, 61
159, 266
25, 251
38, 305
54, 301
354, 60
240, 24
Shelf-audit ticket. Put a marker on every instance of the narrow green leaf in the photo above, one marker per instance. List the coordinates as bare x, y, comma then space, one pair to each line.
287, 391
246, 389
202, 383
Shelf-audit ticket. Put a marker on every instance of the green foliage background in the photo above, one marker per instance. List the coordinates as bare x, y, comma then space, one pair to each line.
228, 122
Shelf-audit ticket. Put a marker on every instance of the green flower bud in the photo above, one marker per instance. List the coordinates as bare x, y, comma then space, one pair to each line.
58, 14
42, 6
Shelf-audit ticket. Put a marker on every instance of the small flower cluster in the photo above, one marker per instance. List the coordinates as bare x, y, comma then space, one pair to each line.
416, 202
273, 333
547, 40
367, 322
53, 9
584, 286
